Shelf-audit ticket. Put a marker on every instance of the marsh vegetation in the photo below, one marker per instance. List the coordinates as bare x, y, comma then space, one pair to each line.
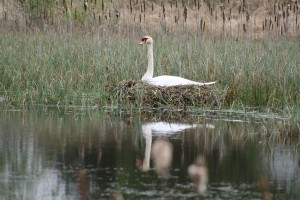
67, 54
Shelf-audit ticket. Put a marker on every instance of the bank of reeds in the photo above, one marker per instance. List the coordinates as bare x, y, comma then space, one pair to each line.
50, 69
209, 19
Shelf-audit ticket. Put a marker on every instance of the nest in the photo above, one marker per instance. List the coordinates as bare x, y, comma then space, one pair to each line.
147, 96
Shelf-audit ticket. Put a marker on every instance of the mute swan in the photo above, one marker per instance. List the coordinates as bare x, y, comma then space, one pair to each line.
163, 80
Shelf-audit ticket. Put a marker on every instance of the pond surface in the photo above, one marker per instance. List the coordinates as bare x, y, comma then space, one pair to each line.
93, 155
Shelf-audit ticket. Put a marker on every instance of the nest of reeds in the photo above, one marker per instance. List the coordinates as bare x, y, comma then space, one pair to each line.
147, 96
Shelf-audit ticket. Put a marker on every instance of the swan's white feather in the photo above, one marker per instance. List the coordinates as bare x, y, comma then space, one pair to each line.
168, 81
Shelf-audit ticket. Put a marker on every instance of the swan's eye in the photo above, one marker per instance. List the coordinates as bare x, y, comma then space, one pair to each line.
144, 39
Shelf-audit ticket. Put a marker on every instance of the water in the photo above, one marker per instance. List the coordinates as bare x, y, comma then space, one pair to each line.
91, 155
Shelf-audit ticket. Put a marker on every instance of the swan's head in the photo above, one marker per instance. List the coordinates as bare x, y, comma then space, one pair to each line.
146, 40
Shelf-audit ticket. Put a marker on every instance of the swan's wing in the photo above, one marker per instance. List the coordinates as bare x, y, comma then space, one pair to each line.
174, 81
166, 127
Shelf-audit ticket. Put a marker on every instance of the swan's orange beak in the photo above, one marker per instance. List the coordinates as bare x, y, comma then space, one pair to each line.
142, 42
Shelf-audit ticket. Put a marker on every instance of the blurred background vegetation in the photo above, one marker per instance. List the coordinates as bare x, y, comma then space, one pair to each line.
213, 19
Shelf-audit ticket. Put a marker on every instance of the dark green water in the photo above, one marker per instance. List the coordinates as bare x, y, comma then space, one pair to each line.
91, 155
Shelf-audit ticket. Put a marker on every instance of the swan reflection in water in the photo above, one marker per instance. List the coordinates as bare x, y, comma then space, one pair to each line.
161, 152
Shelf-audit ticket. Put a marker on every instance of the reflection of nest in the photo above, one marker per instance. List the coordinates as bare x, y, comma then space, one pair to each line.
144, 95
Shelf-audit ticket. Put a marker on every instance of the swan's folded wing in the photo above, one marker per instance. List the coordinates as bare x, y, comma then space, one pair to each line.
169, 81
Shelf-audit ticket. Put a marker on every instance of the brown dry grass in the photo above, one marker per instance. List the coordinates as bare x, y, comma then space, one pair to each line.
210, 19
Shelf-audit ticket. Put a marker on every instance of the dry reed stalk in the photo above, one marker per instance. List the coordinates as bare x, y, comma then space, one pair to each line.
207, 71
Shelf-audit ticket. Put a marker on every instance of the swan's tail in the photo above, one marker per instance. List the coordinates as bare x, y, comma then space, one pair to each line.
208, 83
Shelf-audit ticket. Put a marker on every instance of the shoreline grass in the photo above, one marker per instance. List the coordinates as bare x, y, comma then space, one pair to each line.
60, 70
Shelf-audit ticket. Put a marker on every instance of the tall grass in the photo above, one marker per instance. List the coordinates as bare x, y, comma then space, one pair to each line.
54, 69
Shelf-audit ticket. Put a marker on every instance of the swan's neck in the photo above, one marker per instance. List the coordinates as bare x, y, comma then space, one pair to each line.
146, 162
149, 72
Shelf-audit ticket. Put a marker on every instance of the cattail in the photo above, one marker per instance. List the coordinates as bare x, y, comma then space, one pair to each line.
117, 14
152, 7
244, 28
223, 14
130, 6
185, 13
275, 8
198, 4
294, 8
247, 16
102, 5
85, 5
140, 18
201, 24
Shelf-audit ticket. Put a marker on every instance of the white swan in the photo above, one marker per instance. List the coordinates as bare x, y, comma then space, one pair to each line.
163, 80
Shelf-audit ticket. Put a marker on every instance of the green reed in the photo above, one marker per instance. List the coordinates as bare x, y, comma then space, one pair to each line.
75, 70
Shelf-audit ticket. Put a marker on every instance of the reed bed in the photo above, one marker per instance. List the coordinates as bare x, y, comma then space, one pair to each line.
51, 69
209, 19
